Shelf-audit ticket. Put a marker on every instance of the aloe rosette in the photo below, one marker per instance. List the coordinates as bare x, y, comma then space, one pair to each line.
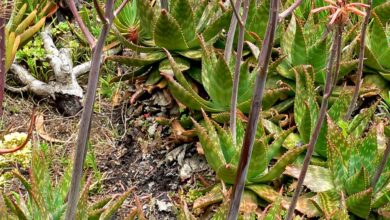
223, 157
304, 45
126, 21
306, 110
216, 78
352, 162
176, 31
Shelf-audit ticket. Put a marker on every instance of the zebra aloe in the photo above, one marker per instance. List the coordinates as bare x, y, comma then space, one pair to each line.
216, 77
176, 31
223, 157
306, 109
304, 44
353, 161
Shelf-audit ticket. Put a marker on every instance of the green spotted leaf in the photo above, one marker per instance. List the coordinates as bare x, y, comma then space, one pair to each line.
276, 170
213, 29
359, 123
328, 202
191, 54
141, 60
339, 169
293, 44
168, 34
185, 97
258, 162
358, 182
226, 142
114, 206
15, 208
275, 211
378, 43
383, 11
146, 17
258, 20
217, 80
360, 203
180, 63
275, 147
317, 55
381, 199
183, 14
214, 154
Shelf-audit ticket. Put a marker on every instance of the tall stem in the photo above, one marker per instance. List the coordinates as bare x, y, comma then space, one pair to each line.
2, 58
231, 33
164, 4
236, 78
290, 9
85, 123
257, 99
80, 22
361, 62
320, 120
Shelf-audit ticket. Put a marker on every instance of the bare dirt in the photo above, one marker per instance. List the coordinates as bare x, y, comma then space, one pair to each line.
131, 150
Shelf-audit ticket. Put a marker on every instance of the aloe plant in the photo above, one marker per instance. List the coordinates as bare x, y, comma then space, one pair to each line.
306, 110
176, 31
223, 157
353, 160
217, 79
126, 21
46, 200
249, 205
305, 45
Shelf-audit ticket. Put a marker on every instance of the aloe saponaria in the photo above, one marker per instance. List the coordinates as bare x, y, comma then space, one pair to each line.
353, 158
306, 110
305, 46
216, 78
223, 157
176, 31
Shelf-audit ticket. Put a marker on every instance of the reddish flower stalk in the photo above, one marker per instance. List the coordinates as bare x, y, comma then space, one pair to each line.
3, 9
231, 32
236, 76
90, 39
85, 123
250, 132
2, 62
361, 62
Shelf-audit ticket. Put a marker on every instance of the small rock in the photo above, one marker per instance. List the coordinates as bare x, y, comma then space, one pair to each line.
164, 206
152, 129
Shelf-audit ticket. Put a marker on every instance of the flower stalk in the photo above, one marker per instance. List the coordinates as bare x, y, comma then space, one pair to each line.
237, 67
361, 62
250, 132
85, 123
